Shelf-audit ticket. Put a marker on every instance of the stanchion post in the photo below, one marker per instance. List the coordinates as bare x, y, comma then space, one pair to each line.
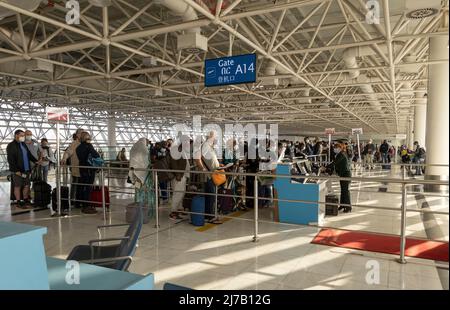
216, 211
102, 184
402, 259
156, 200
255, 237
58, 170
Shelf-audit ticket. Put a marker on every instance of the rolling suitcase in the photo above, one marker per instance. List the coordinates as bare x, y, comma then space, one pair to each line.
42, 194
96, 197
225, 202
331, 205
64, 199
198, 206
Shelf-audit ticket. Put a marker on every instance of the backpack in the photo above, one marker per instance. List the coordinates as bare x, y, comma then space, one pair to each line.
95, 162
422, 152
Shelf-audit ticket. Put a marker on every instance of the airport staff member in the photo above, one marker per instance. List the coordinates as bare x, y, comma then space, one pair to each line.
341, 165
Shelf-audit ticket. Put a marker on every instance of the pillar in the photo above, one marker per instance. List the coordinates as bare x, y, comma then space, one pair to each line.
112, 141
410, 135
420, 117
437, 129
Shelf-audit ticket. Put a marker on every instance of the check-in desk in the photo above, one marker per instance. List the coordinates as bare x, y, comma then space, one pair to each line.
290, 188
24, 266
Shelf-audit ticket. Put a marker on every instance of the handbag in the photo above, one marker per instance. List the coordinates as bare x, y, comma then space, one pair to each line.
36, 174
218, 177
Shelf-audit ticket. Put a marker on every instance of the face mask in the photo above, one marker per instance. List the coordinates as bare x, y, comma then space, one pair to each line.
28, 138
22, 139
337, 150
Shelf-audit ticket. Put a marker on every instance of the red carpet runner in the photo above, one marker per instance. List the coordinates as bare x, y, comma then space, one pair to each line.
390, 244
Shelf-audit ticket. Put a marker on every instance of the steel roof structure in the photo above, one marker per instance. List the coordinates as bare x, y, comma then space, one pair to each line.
321, 63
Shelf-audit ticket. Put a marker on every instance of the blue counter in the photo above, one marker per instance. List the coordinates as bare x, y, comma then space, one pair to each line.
303, 213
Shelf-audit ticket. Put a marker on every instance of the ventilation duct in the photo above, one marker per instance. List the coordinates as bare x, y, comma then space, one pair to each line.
192, 41
29, 5
101, 3
350, 60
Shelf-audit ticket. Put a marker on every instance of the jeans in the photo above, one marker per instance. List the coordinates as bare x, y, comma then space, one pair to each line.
84, 191
345, 194
210, 200
163, 188
418, 168
384, 158
45, 173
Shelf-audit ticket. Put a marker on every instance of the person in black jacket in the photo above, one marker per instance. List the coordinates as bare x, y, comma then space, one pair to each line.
341, 165
384, 150
87, 176
19, 161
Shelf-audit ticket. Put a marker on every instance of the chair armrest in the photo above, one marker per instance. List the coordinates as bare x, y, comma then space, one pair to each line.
114, 225
106, 260
91, 242
108, 226
108, 239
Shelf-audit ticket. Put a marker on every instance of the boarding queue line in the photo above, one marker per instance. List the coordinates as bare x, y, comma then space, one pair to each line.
403, 182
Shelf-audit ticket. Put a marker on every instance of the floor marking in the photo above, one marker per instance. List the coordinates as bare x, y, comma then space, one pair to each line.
208, 226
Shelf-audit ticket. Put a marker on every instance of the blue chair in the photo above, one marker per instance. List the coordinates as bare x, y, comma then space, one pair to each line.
117, 256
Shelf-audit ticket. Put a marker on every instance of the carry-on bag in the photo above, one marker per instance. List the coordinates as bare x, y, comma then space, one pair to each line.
331, 205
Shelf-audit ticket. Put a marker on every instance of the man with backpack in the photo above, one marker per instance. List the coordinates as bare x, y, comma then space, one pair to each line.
384, 150
419, 157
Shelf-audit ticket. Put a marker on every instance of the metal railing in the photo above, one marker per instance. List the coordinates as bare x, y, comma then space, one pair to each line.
105, 174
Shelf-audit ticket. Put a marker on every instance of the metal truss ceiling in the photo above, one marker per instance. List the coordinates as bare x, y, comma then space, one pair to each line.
98, 65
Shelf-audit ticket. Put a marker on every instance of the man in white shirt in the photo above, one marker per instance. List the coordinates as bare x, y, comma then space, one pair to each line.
208, 161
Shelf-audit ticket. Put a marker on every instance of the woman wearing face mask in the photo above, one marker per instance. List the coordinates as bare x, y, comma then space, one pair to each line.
341, 165
47, 157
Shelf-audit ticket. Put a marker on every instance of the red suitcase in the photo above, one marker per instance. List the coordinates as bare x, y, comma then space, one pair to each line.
96, 197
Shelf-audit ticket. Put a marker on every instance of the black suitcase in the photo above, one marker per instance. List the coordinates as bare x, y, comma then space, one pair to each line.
42, 194
64, 199
331, 205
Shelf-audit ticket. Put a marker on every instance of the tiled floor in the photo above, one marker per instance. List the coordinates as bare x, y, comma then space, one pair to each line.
224, 257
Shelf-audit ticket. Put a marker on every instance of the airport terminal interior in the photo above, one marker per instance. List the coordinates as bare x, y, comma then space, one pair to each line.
224, 144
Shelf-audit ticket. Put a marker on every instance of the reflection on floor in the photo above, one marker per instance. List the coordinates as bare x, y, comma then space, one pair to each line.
225, 258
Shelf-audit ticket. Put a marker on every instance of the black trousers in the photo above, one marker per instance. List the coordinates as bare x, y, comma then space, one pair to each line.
345, 193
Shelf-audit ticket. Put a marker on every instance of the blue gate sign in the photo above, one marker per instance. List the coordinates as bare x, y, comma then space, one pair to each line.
230, 70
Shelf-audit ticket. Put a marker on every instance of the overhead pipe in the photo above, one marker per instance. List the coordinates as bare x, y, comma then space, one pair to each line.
30, 5
181, 8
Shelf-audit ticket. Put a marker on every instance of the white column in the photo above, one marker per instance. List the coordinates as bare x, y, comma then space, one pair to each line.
410, 135
420, 118
437, 110
112, 141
